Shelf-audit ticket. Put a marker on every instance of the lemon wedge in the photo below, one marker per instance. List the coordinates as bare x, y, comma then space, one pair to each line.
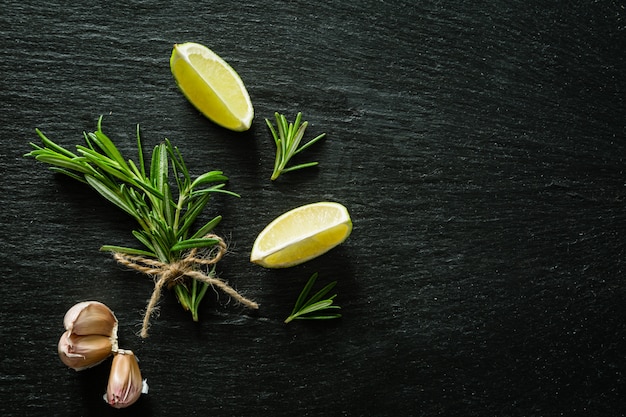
301, 234
212, 86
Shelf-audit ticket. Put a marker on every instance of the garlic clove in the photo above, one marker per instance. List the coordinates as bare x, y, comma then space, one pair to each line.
125, 384
91, 318
82, 352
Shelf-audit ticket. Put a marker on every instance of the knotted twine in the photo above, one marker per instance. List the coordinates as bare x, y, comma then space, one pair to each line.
173, 273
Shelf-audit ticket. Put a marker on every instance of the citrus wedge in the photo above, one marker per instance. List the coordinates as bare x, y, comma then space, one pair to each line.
212, 86
301, 234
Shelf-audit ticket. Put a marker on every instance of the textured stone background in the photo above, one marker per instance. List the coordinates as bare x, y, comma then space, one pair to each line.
479, 146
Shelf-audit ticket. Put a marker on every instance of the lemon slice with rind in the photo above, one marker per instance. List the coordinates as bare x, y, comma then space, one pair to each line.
212, 86
301, 234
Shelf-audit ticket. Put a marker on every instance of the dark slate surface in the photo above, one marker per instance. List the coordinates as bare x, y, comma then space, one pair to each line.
479, 147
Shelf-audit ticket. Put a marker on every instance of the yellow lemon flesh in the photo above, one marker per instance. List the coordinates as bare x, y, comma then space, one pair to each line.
212, 86
301, 234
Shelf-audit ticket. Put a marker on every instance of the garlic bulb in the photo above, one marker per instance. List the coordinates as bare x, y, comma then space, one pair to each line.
90, 335
125, 384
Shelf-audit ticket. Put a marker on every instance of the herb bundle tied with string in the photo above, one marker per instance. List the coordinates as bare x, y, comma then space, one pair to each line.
171, 253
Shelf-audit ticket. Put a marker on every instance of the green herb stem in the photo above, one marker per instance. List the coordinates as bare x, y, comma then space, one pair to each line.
304, 308
287, 138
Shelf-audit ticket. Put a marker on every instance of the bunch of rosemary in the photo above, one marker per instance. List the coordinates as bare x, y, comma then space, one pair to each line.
165, 216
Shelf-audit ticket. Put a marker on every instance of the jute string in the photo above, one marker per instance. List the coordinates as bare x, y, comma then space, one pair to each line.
170, 274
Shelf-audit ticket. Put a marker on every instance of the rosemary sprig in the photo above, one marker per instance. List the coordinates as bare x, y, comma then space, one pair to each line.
165, 216
303, 309
287, 137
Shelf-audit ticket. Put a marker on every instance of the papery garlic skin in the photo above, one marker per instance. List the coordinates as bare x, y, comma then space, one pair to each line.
125, 384
82, 352
90, 318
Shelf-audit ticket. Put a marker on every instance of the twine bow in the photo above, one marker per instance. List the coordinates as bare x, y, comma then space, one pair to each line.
172, 273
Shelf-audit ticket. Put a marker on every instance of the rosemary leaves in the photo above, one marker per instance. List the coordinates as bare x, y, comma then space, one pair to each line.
287, 137
308, 309
164, 200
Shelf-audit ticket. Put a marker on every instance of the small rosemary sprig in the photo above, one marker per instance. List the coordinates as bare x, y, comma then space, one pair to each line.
304, 308
165, 216
287, 137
